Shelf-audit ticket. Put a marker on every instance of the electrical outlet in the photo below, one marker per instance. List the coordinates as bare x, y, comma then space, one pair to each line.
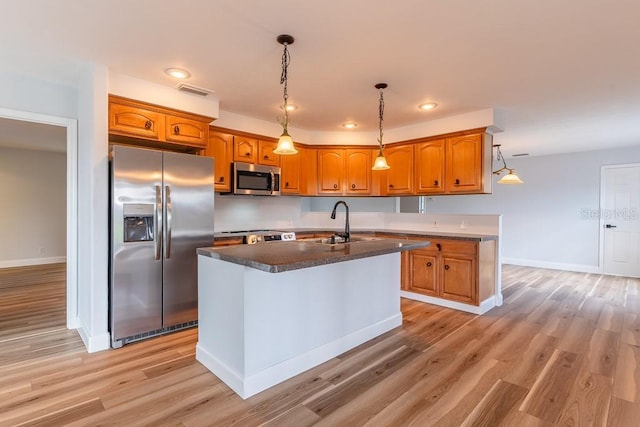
41, 250
463, 225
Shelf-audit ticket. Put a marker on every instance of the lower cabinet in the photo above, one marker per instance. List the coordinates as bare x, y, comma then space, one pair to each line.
456, 270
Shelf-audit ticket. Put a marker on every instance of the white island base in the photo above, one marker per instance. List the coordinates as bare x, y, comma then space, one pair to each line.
257, 329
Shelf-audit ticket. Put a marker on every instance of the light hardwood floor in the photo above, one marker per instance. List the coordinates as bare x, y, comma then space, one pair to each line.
564, 349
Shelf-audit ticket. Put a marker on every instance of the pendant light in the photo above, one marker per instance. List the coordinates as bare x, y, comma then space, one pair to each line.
285, 142
510, 177
380, 163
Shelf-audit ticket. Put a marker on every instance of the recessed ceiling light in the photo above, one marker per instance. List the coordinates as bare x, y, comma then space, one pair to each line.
428, 106
350, 125
178, 73
290, 107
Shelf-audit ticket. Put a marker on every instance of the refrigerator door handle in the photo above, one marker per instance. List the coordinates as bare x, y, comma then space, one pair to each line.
167, 243
157, 226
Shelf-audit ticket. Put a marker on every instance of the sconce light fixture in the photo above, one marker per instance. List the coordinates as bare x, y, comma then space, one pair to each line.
510, 177
285, 142
380, 163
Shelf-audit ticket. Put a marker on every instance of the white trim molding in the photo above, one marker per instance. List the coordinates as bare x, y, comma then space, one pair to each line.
579, 268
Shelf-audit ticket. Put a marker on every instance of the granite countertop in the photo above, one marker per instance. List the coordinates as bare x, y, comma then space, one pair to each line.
399, 233
277, 257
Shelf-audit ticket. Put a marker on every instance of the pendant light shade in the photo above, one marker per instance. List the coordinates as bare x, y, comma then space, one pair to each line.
380, 163
285, 142
510, 177
285, 145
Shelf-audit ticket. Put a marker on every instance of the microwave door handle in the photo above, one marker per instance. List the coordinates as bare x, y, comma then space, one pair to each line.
272, 183
168, 217
157, 223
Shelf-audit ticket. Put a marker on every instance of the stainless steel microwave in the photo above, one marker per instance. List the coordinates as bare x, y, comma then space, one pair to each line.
256, 179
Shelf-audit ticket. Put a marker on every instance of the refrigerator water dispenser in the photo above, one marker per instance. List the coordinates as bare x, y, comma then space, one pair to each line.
138, 222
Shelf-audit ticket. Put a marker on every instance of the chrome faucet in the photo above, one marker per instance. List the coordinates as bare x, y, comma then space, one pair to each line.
346, 233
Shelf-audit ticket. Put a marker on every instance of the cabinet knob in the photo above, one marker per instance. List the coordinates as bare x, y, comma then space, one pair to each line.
221, 179
247, 154
435, 182
429, 264
390, 185
176, 130
286, 184
335, 186
446, 266
457, 182
439, 246
266, 157
147, 124
353, 186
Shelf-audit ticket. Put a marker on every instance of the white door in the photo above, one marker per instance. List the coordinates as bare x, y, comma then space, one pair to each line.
620, 219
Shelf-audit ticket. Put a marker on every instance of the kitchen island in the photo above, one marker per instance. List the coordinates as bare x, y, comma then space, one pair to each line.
269, 312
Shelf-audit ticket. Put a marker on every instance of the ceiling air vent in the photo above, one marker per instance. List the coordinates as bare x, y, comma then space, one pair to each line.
193, 89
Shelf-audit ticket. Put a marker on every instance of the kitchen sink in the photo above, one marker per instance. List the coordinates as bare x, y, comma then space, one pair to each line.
336, 240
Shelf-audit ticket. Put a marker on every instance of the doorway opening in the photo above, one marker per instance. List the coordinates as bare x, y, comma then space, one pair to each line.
71, 137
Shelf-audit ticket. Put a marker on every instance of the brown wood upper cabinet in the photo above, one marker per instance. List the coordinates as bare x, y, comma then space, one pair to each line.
344, 170
139, 120
398, 180
186, 131
467, 169
290, 182
251, 150
455, 165
220, 147
430, 166
266, 155
245, 149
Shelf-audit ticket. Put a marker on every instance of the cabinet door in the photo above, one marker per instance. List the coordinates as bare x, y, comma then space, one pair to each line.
266, 155
220, 147
429, 164
424, 277
400, 175
358, 179
330, 170
186, 131
245, 150
134, 121
464, 164
290, 178
458, 278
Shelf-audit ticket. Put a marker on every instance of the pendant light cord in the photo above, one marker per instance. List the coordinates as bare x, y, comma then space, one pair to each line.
381, 115
283, 81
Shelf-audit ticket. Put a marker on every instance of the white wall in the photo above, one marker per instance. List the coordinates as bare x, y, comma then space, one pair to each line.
33, 216
26, 93
93, 190
234, 213
356, 204
542, 221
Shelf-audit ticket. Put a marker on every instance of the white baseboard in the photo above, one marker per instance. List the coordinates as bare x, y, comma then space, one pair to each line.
580, 268
247, 386
32, 261
484, 306
94, 343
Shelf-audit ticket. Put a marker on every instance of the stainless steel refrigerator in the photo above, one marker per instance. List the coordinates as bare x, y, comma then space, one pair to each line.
161, 211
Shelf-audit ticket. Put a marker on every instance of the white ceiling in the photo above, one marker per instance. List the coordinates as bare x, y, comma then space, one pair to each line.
562, 76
